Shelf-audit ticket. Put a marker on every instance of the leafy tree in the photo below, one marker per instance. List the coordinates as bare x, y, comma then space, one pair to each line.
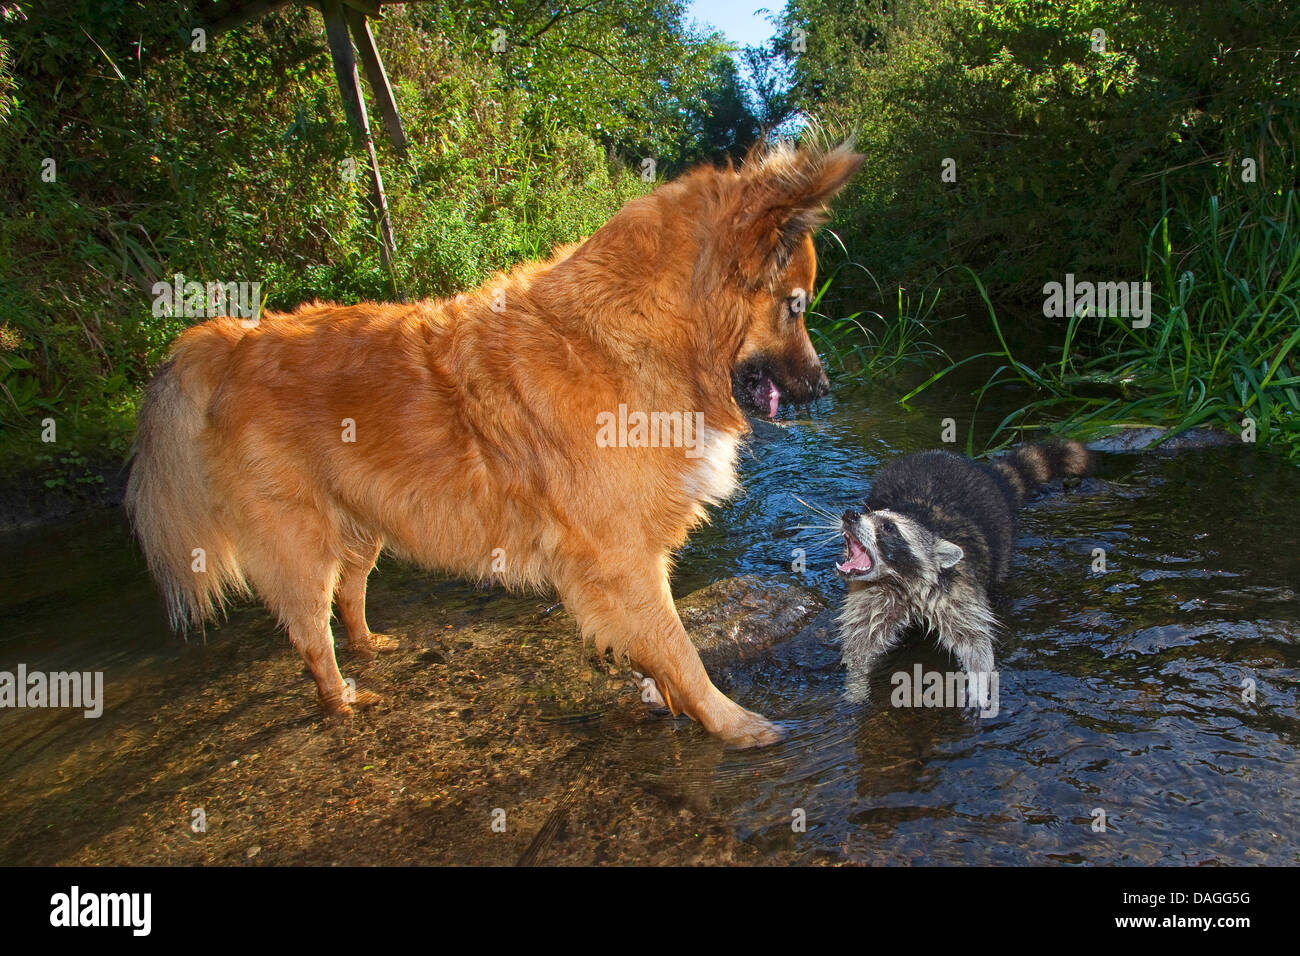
1062, 144
723, 125
229, 165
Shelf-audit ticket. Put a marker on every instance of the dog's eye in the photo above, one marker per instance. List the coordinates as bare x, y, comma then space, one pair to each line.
794, 306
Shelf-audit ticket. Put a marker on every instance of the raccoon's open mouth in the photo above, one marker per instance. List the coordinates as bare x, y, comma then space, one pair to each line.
857, 561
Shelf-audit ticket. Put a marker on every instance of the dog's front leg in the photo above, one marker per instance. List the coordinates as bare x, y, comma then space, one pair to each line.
637, 618
664, 650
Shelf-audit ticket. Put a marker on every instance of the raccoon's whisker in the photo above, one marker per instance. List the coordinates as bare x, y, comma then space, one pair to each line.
816, 509
828, 537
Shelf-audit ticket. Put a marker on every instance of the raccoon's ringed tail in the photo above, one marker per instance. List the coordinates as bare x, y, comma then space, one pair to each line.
1029, 467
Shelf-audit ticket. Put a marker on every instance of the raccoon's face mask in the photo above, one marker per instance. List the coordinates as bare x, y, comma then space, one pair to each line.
880, 545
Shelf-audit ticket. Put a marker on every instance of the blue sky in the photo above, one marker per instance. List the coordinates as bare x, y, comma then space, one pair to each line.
736, 19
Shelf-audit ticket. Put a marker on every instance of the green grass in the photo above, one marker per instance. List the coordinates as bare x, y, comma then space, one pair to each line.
867, 345
1220, 349
257, 194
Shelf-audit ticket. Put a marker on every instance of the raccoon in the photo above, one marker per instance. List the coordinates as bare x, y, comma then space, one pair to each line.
934, 537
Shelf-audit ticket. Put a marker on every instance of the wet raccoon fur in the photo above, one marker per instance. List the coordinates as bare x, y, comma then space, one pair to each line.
934, 536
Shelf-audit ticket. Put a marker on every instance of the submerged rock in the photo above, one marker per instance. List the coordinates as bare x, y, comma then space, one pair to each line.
1140, 439
739, 618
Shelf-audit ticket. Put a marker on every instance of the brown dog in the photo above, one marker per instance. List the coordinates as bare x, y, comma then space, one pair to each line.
565, 424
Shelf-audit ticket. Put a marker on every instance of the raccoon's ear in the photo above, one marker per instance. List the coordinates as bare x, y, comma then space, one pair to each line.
947, 554
783, 197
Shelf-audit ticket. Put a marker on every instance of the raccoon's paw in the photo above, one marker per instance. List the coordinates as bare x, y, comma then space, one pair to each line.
857, 690
372, 645
978, 708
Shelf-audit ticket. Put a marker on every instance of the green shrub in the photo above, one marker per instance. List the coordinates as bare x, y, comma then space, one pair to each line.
1060, 150
235, 164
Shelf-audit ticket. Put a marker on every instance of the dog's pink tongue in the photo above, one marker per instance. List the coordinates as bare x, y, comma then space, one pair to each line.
773, 399
858, 560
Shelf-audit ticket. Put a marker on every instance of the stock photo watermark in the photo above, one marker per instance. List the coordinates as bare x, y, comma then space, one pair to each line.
112, 910
207, 300
79, 690
955, 689
1124, 300
638, 429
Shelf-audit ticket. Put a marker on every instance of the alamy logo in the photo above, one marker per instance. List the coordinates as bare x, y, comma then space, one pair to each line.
55, 689
954, 689
207, 300
1125, 300
75, 908
650, 430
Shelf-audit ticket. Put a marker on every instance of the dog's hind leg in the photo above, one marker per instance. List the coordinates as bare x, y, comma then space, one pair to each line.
637, 617
290, 562
350, 599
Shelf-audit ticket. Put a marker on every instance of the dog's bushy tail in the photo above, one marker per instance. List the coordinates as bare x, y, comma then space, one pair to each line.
1029, 467
169, 498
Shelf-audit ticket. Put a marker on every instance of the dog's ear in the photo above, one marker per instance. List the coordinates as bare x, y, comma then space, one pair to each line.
783, 196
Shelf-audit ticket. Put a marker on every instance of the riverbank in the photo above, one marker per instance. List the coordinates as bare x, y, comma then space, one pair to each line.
37, 494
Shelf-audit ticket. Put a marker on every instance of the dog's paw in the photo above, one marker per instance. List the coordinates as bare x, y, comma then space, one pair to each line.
366, 698
336, 707
741, 729
752, 730
373, 645
347, 704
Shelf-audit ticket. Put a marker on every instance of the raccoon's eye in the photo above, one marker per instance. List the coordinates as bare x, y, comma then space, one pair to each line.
889, 538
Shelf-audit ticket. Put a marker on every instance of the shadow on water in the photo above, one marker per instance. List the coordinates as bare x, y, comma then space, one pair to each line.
499, 742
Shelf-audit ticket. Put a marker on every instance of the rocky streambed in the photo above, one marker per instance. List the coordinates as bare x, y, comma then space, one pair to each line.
498, 742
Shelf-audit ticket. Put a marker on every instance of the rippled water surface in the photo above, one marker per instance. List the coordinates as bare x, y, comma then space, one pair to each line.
1160, 693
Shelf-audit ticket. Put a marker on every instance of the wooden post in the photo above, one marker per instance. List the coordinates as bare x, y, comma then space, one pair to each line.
253, 10
354, 106
377, 77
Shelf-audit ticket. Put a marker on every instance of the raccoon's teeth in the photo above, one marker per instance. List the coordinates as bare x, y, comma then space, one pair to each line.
859, 561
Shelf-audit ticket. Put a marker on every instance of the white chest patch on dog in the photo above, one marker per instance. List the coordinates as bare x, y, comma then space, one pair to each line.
713, 477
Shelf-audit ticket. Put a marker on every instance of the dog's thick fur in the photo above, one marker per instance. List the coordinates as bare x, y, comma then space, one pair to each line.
474, 428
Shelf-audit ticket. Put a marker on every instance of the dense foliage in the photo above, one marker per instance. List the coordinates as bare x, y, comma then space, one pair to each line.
129, 155
1114, 140
1062, 144
235, 163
